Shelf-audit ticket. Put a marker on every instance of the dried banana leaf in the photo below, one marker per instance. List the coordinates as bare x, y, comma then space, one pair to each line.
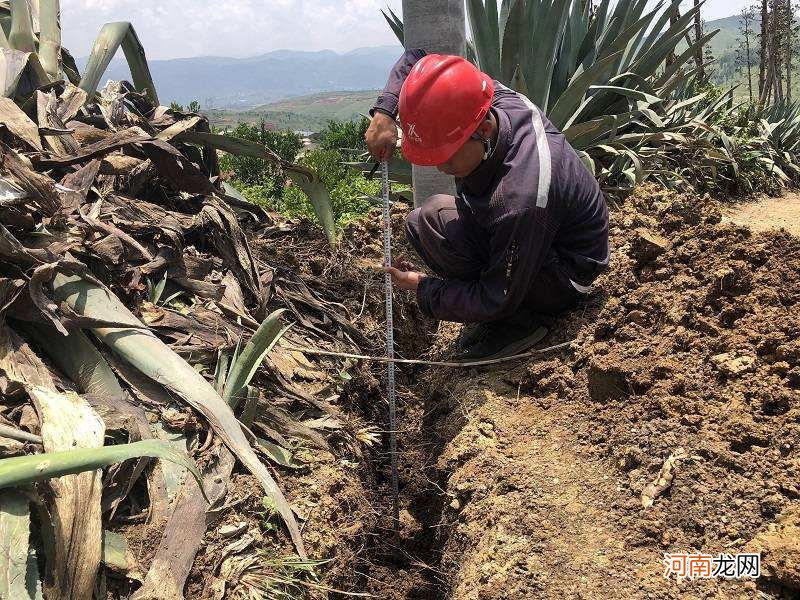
19, 124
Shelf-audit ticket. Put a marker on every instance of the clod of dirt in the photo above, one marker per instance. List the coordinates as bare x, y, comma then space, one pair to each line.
733, 365
646, 245
606, 380
733, 280
780, 552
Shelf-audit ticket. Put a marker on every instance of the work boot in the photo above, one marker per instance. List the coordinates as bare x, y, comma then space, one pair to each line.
470, 333
499, 339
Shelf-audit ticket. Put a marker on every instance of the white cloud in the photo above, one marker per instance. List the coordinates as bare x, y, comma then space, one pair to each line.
180, 28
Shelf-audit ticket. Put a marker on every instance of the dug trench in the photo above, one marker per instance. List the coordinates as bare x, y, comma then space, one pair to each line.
536, 478
526, 480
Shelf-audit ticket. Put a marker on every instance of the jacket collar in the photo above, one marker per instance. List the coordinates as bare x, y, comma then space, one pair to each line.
479, 181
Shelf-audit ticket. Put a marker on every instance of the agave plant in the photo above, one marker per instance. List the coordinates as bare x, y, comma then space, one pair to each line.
598, 75
781, 125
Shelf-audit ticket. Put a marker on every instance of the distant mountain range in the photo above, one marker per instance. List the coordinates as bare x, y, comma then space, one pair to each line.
242, 83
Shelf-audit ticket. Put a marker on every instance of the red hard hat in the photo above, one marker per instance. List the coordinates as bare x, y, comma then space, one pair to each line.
442, 102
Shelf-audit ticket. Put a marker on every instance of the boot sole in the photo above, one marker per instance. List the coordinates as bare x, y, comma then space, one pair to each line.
514, 348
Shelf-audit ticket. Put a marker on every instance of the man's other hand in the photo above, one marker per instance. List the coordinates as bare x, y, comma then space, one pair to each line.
404, 274
381, 136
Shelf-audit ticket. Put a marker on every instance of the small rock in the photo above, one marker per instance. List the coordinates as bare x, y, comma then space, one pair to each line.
771, 505
486, 428
227, 531
692, 420
793, 376
779, 368
637, 316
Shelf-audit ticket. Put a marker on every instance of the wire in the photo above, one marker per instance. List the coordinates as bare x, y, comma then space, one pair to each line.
430, 363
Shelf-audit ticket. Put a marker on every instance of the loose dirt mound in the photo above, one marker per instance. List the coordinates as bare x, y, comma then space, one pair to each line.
689, 342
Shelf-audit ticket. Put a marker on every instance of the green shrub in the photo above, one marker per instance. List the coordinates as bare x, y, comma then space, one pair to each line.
348, 189
345, 136
249, 172
261, 183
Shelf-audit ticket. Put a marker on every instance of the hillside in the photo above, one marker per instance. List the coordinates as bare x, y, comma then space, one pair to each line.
727, 40
724, 46
243, 83
307, 113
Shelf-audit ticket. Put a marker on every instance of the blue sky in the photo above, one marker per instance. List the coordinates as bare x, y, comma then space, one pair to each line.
181, 28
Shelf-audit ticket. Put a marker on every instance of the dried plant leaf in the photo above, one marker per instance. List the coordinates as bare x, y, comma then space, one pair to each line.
77, 184
153, 358
664, 479
19, 364
19, 124
12, 66
68, 422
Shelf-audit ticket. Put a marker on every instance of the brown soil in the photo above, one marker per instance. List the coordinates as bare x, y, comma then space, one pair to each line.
688, 342
525, 481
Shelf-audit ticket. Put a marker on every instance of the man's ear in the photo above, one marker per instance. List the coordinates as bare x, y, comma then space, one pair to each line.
485, 128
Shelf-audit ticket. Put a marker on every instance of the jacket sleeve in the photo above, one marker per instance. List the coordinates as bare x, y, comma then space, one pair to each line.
519, 247
390, 96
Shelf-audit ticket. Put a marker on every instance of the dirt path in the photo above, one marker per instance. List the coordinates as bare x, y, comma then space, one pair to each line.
768, 213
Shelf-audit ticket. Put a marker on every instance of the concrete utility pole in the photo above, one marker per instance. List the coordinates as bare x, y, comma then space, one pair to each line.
435, 26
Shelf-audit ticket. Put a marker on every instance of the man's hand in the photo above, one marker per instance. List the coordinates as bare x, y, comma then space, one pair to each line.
381, 136
404, 274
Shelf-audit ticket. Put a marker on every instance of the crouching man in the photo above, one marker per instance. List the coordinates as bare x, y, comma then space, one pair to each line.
527, 232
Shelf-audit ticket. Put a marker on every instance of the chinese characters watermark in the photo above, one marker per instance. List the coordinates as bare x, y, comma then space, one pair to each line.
706, 566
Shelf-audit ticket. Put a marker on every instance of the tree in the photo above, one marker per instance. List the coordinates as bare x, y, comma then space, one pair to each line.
194, 106
256, 171
744, 53
709, 60
780, 48
790, 43
771, 55
699, 55
674, 15
435, 26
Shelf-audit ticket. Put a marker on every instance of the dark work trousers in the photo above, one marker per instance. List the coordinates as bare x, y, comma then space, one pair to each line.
454, 246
